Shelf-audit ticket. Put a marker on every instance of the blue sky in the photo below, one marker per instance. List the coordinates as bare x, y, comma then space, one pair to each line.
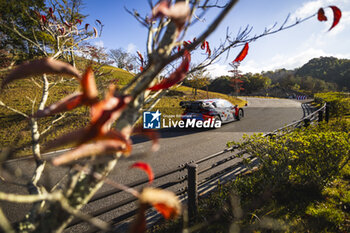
288, 49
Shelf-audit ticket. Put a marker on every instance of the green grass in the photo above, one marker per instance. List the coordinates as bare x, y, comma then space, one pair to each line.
15, 130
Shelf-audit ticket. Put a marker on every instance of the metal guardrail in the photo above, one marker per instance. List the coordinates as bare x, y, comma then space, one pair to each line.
202, 176
320, 114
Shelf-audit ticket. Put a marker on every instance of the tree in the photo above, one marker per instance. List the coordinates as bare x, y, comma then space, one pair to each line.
122, 106
123, 59
255, 83
198, 80
15, 13
329, 69
53, 37
221, 84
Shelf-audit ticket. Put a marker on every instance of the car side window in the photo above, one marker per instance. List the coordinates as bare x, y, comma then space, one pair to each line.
228, 104
220, 104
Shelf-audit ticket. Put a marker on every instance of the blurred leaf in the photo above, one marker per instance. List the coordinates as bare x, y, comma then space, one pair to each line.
146, 168
40, 67
177, 76
164, 201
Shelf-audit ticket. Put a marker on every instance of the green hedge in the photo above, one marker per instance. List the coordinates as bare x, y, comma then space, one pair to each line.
339, 102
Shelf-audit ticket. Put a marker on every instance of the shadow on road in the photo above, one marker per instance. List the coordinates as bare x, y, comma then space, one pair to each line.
169, 133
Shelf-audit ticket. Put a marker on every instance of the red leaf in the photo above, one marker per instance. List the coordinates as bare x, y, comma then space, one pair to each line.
51, 10
88, 84
141, 58
320, 15
86, 150
86, 26
177, 76
208, 48
105, 112
185, 44
203, 45
88, 97
68, 103
108, 102
43, 18
146, 168
40, 67
67, 24
164, 201
242, 54
161, 9
70, 137
178, 13
112, 141
141, 68
337, 16
79, 21
115, 135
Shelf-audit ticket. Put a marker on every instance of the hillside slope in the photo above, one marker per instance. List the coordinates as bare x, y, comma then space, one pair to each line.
329, 69
15, 131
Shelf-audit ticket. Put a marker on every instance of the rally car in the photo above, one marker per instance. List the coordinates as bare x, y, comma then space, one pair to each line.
211, 109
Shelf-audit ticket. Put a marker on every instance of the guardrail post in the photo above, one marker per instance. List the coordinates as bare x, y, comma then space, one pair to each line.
306, 122
327, 112
192, 190
320, 116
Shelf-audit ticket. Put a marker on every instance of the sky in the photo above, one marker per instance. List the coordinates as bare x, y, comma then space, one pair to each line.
286, 49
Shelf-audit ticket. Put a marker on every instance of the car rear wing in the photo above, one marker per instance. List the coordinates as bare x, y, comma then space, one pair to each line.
189, 104
186, 104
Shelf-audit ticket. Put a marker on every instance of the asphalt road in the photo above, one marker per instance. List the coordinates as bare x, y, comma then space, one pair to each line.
178, 146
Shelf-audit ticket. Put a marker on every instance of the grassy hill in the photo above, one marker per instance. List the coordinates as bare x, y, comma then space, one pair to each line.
15, 131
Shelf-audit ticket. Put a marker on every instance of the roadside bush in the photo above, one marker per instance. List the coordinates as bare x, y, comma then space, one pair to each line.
306, 157
302, 185
339, 102
296, 177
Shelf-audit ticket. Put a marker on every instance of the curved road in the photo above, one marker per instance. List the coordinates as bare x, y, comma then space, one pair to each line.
178, 146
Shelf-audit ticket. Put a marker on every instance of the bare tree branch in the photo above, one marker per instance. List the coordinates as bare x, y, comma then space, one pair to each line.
13, 110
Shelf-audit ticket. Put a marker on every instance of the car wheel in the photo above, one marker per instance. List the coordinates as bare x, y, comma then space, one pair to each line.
217, 118
241, 113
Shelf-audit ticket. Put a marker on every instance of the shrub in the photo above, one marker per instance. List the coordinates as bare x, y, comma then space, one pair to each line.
339, 102
306, 157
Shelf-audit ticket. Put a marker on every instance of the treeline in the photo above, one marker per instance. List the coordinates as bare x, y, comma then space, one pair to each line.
328, 69
318, 75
